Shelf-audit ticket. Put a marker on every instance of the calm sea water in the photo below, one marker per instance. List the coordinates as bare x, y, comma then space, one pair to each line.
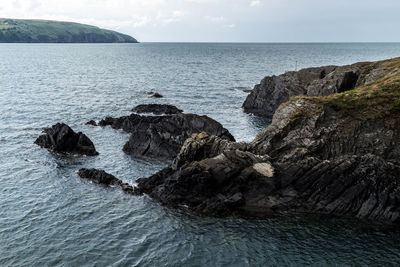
50, 217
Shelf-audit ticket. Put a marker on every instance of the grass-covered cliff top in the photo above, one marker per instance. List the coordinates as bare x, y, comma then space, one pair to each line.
46, 31
378, 99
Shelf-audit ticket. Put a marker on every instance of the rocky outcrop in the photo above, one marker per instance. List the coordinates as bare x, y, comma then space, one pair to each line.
161, 137
208, 176
157, 109
61, 138
321, 81
334, 155
106, 179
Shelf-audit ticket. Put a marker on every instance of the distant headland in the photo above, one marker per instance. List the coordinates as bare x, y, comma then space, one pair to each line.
47, 31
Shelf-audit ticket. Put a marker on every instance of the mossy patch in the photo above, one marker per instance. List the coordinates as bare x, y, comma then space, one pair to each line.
6, 27
380, 99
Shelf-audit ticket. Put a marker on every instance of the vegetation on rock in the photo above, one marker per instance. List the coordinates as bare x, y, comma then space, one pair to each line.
46, 31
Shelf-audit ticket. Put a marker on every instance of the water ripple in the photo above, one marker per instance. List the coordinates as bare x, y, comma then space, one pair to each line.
50, 217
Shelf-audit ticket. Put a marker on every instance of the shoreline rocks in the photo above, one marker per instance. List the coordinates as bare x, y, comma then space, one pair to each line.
161, 137
157, 109
106, 179
61, 138
335, 156
272, 91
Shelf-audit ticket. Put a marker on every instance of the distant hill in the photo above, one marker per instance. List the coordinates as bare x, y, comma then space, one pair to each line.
47, 31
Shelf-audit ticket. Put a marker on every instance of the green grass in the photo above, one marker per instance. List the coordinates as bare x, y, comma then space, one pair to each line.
380, 99
45, 31
5, 27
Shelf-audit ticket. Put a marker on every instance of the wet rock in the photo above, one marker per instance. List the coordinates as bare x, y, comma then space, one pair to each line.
154, 95
157, 109
161, 137
106, 179
61, 138
247, 91
335, 156
91, 122
213, 184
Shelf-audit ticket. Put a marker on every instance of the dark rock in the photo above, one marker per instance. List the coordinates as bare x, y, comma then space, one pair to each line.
266, 97
99, 177
91, 122
161, 137
61, 138
215, 183
334, 156
157, 109
247, 90
155, 95
106, 179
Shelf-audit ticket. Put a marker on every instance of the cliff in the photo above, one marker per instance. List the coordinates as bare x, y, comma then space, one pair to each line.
335, 155
46, 31
272, 91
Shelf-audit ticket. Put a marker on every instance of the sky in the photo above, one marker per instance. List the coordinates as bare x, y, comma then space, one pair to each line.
225, 20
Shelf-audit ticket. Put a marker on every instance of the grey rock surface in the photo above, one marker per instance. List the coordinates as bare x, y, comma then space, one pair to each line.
320, 81
161, 137
335, 156
61, 138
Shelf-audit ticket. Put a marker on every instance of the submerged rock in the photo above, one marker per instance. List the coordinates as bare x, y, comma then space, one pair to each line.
334, 156
321, 81
161, 137
106, 179
157, 109
61, 138
154, 95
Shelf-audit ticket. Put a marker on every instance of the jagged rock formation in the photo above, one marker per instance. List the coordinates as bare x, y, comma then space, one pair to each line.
106, 179
61, 138
157, 109
334, 155
161, 137
321, 81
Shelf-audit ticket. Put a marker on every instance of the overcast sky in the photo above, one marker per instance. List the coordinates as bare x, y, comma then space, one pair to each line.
225, 20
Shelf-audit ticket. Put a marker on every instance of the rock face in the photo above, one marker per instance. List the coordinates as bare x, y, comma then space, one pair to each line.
321, 81
106, 179
61, 138
157, 109
161, 137
334, 155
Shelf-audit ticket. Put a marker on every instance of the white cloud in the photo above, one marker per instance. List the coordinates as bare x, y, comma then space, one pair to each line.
209, 20
255, 2
174, 16
215, 19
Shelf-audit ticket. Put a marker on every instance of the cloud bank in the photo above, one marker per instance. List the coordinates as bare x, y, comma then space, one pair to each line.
224, 20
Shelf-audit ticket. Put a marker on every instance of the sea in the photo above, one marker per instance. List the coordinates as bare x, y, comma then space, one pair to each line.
51, 217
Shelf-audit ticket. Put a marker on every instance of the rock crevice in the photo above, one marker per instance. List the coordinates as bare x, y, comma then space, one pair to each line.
335, 155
